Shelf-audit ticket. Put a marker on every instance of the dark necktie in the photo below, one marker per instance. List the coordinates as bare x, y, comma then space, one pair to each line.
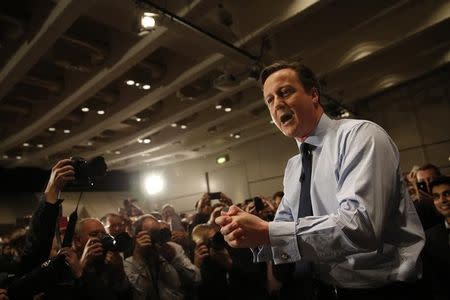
286, 272
305, 207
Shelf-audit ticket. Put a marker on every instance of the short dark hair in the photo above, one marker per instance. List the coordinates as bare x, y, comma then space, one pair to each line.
439, 181
305, 75
430, 167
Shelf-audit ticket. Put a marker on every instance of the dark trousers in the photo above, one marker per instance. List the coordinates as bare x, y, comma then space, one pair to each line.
312, 289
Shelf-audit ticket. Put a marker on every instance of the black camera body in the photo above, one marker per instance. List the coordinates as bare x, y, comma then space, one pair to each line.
86, 171
161, 236
120, 243
217, 242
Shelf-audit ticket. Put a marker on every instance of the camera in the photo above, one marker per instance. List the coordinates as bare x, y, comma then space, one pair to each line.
217, 242
86, 171
160, 236
422, 185
119, 243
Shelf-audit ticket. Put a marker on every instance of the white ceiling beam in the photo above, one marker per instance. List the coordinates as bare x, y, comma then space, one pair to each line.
61, 17
131, 57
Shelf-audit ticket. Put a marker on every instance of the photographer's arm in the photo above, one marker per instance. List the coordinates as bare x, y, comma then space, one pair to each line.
42, 228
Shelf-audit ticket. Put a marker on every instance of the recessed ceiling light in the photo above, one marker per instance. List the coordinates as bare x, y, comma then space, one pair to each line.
218, 106
130, 82
66, 130
183, 126
137, 84
146, 86
148, 20
237, 136
147, 141
231, 134
89, 143
117, 152
52, 129
26, 144
138, 119
18, 157
174, 125
100, 112
5, 156
40, 146
140, 141
227, 109
85, 109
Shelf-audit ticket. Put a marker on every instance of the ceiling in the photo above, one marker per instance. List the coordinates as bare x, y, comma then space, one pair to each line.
58, 57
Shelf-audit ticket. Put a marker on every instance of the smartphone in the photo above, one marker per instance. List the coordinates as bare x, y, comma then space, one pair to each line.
259, 205
216, 195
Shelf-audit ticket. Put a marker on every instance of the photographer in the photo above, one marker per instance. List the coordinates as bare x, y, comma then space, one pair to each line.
154, 270
421, 180
101, 271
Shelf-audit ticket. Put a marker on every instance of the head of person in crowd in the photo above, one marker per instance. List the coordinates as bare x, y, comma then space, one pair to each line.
440, 189
425, 175
292, 95
203, 206
114, 224
277, 198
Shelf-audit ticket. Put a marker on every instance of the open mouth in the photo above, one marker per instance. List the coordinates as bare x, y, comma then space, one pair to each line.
286, 117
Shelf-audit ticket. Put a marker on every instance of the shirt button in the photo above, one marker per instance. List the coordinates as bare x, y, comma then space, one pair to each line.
285, 256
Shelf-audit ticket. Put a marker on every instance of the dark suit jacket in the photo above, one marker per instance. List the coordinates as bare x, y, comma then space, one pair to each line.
436, 260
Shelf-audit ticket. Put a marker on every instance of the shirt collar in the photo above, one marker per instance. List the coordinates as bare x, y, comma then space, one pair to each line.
318, 134
446, 224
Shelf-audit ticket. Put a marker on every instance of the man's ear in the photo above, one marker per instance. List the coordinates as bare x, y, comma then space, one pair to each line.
315, 95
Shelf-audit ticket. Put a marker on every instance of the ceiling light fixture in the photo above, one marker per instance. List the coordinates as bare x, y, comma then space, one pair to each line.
18, 157
222, 159
140, 141
183, 126
26, 144
130, 82
227, 109
218, 106
146, 86
147, 141
100, 112
85, 109
237, 135
117, 152
66, 130
40, 146
52, 129
89, 143
148, 21
174, 125
5, 156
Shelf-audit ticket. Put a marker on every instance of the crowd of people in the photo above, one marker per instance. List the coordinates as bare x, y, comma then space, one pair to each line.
129, 253
166, 255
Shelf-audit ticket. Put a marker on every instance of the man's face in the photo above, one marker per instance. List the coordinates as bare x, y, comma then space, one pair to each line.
294, 111
114, 225
424, 177
441, 199
90, 229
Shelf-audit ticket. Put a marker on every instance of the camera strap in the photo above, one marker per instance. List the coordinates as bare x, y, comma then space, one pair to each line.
70, 230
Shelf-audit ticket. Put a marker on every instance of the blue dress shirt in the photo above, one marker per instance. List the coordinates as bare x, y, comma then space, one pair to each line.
364, 231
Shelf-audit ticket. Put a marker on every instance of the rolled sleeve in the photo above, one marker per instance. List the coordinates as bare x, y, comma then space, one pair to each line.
283, 240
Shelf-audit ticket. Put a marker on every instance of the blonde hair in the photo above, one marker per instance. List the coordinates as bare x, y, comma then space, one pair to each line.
201, 233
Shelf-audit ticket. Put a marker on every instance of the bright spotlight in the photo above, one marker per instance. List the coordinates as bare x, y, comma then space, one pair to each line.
153, 184
148, 21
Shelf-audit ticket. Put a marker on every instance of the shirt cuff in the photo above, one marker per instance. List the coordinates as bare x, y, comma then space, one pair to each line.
284, 242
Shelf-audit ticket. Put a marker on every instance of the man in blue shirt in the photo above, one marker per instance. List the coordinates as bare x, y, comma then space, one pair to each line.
353, 221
